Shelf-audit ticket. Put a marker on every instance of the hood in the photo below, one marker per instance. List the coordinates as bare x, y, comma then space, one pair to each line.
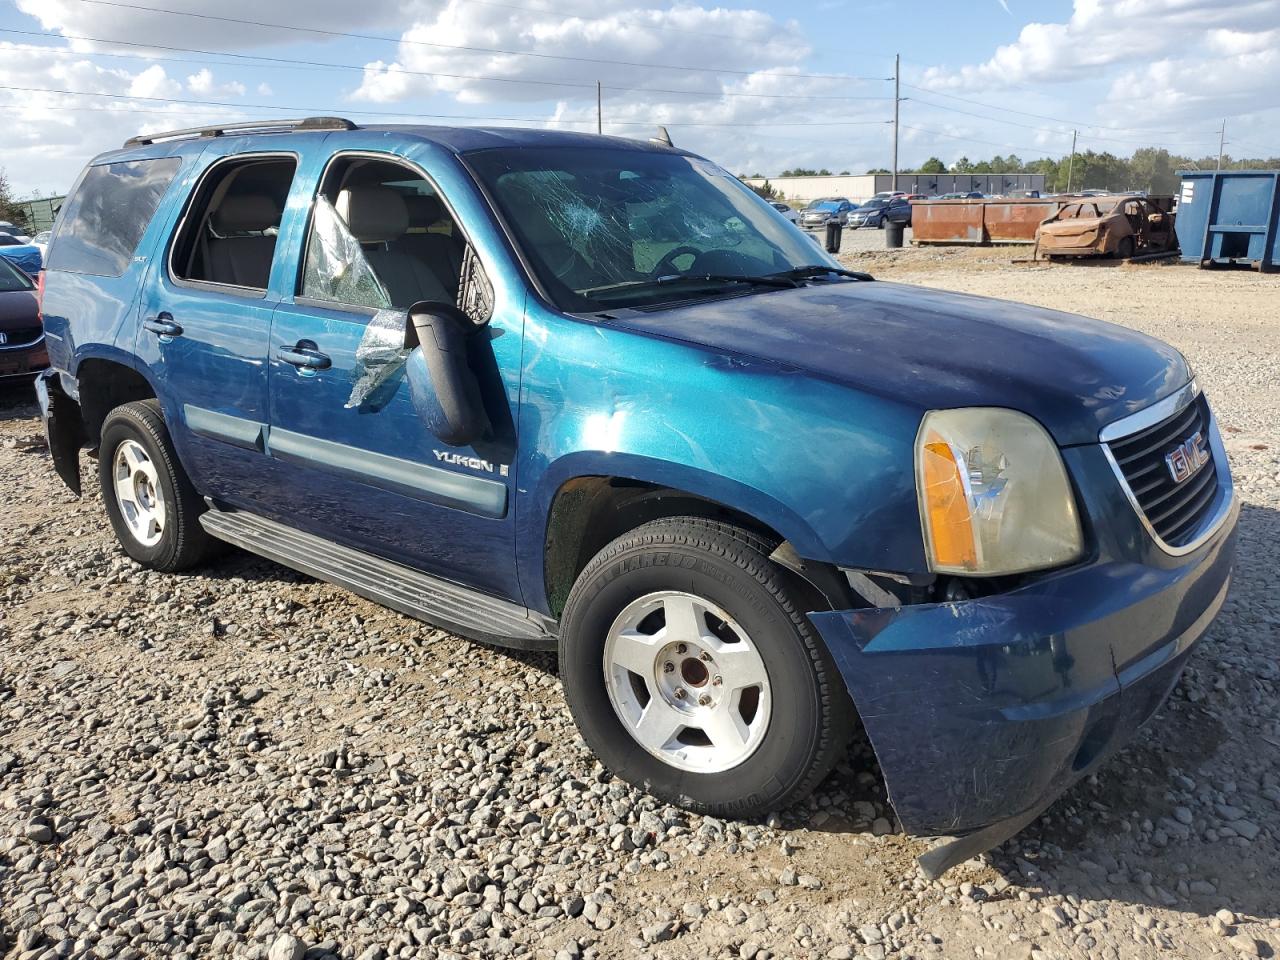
933, 349
18, 310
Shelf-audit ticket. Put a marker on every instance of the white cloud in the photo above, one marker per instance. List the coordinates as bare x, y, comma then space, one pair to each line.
202, 83
1102, 33
50, 136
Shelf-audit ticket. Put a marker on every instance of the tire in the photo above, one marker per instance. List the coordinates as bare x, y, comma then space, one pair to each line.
723, 573
1124, 249
160, 526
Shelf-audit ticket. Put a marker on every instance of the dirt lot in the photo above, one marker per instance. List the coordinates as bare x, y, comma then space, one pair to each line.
243, 762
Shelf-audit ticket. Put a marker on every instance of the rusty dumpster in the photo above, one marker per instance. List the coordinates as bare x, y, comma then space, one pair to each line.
980, 222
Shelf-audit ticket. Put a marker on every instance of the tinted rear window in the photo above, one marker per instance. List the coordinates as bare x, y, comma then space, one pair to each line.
103, 223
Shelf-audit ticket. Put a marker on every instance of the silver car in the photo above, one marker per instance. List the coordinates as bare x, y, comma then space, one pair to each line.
819, 212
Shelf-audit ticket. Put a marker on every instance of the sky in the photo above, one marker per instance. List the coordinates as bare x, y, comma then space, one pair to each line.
756, 86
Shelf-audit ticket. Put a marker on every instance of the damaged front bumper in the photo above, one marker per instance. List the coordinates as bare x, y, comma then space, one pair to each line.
982, 712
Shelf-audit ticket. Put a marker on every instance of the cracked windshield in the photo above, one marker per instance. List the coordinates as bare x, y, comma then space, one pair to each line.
618, 228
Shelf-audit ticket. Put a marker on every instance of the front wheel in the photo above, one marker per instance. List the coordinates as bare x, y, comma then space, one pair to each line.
692, 672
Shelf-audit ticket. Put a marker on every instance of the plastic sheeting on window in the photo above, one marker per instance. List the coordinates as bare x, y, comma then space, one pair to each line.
336, 268
379, 357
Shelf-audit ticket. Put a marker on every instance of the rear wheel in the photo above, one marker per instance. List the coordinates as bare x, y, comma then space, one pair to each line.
154, 510
693, 674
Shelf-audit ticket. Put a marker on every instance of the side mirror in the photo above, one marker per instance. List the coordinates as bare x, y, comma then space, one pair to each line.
442, 382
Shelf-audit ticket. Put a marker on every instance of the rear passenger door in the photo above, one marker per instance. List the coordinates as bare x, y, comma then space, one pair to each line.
378, 236
206, 318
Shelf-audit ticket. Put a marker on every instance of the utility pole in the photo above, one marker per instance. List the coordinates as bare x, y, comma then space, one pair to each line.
599, 110
1222, 142
896, 100
1071, 162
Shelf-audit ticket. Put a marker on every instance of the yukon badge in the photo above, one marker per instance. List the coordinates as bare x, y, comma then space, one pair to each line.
1187, 458
471, 463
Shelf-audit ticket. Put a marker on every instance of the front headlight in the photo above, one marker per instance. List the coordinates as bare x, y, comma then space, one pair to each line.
994, 495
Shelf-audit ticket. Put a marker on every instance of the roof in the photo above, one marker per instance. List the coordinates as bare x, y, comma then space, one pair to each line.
455, 139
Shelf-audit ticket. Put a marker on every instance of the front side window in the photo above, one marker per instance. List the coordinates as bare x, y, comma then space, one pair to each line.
103, 222
614, 227
228, 236
381, 237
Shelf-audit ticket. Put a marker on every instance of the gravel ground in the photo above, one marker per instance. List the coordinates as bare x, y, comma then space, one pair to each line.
243, 762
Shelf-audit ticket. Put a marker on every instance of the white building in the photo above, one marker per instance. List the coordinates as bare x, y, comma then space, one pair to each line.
859, 187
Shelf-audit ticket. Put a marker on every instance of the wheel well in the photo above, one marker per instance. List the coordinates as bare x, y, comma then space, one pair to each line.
105, 385
590, 512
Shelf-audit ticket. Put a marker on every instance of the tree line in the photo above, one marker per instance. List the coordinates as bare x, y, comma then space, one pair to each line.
1152, 169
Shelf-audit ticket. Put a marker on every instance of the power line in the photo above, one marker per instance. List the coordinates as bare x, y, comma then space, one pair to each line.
985, 143
438, 116
1027, 126
293, 63
318, 31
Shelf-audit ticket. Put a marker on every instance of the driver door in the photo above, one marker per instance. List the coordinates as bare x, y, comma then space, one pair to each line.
363, 468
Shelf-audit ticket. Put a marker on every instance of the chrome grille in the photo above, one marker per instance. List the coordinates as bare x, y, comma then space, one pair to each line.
21, 337
1175, 511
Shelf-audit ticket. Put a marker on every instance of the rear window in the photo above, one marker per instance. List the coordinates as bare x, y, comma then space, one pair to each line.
103, 223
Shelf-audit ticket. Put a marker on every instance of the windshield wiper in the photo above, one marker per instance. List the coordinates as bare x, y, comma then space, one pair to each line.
770, 280
816, 270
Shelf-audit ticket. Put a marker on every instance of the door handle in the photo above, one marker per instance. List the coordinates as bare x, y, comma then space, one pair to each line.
304, 356
163, 326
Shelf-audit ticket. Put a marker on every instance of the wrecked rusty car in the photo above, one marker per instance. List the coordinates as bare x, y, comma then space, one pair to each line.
582, 394
1121, 226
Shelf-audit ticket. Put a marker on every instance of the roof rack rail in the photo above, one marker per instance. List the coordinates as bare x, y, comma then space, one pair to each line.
254, 126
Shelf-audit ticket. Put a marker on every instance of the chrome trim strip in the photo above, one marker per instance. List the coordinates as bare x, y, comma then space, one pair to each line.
237, 431
1149, 416
26, 344
1226, 489
478, 495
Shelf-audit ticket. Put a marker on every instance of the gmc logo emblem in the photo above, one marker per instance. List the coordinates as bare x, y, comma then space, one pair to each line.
1188, 457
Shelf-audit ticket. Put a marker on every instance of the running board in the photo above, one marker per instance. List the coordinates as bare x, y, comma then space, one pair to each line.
439, 602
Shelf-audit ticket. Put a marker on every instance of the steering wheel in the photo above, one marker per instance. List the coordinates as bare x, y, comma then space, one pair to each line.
666, 265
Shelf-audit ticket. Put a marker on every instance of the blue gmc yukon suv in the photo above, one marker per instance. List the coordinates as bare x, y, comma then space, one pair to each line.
577, 393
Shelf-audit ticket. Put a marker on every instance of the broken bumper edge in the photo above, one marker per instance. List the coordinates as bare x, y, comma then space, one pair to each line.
983, 712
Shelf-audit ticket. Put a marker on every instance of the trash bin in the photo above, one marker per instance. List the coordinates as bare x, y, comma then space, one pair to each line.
1230, 216
833, 236
893, 233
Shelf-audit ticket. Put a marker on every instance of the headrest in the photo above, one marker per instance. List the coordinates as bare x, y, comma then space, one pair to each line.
245, 213
373, 214
423, 210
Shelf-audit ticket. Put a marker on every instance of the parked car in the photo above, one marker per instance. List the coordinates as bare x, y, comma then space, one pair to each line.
745, 494
874, 213
13, 230
819, 212
25, 256
788, 211
1118, 226
889, 194
41, 240
22, 347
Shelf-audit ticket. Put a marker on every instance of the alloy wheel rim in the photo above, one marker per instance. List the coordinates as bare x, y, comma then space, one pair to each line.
138, 494
687, 682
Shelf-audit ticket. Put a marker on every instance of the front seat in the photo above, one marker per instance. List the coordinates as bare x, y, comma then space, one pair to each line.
441, 252
377, 217
233, 258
